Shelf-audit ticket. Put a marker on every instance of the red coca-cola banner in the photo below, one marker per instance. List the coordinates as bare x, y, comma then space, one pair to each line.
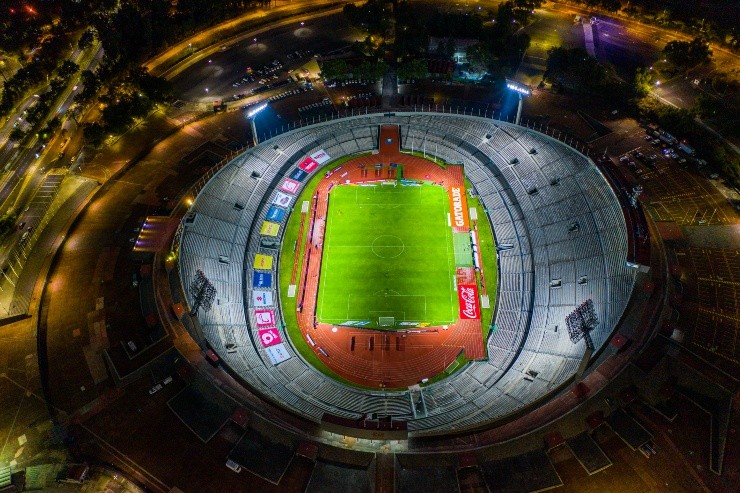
467, 295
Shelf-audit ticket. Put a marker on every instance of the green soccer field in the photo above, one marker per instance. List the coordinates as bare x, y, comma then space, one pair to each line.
388, 252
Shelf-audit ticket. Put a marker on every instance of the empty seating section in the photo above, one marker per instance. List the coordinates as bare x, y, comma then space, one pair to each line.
559, 225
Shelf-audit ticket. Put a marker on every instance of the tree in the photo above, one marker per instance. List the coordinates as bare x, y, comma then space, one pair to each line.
370, 16
17, 134
687, 54
480, 57
93, 133
413, 70
706, 106
579, 72
643, 81
157, 89
334, 69
371, 71
90, 84
86, 39
68, 69
7, 222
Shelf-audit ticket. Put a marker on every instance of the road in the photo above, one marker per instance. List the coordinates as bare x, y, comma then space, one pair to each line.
28, 189
622, 42
209, 40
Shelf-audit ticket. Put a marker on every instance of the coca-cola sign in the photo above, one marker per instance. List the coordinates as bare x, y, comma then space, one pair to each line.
467, 295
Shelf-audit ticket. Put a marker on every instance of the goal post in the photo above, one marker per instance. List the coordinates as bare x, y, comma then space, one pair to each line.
386, 321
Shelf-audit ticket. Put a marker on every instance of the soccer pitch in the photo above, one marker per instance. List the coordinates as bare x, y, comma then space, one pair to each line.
387, 252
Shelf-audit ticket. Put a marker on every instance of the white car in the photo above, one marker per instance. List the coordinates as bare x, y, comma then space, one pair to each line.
155, 389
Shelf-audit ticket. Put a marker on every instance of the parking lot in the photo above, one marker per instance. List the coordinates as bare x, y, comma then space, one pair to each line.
238, 69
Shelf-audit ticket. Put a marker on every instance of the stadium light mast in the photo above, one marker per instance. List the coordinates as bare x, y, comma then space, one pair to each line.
521, 90
251, 116
580, 323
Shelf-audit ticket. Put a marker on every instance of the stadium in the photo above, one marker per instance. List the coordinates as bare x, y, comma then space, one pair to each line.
280, 313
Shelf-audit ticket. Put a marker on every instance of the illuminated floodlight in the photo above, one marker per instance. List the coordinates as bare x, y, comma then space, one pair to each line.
253, 112
518, 87
521, 90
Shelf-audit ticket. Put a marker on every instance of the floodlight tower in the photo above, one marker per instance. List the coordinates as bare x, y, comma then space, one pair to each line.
251, 116
521, 90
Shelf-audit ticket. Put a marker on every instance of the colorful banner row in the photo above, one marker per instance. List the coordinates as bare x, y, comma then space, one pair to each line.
262, 297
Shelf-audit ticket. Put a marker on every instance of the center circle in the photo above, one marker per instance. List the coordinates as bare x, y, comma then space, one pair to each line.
388, 246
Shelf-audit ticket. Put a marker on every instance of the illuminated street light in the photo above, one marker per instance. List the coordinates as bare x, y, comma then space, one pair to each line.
521, 90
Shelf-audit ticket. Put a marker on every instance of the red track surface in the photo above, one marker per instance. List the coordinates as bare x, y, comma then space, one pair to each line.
389, 359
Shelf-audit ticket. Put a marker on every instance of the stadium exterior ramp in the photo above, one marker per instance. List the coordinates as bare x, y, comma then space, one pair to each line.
565, 241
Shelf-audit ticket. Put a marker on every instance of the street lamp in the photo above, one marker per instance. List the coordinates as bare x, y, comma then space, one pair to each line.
521, 90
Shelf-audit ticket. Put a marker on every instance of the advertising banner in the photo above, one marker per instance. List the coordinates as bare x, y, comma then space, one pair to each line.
275, 214
282, 200
261, 280
320, 156
264, 318
459, 209
308, 165
467, 295
290, 186
269, 337
277, 353
269, 229
263, 262
298, 175
262, 298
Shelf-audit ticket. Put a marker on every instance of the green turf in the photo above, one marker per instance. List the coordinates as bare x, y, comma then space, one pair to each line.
463, 249
387, 253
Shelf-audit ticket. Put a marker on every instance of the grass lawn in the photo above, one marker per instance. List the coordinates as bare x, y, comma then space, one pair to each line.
387, 253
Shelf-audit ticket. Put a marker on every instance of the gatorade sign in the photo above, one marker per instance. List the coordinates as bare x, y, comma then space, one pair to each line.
459, 209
